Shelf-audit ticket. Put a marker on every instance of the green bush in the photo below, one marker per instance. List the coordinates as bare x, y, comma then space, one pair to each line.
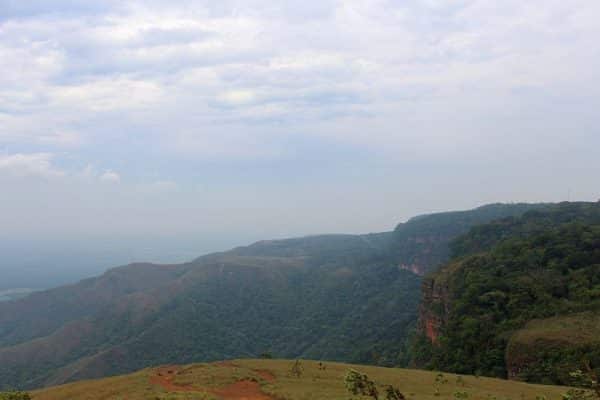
14, 396
358, 383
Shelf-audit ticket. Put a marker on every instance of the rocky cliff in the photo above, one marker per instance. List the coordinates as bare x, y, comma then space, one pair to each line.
434, 308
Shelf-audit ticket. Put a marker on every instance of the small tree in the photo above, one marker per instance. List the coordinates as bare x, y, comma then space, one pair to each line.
592, 378
359, 383
392, 393
578, 394
440, 378
587, 379
297, 369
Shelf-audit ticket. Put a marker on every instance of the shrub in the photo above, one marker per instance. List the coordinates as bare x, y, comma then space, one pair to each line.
14, 396
359, 383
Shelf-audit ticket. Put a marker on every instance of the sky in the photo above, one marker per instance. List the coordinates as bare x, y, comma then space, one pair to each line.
191, 126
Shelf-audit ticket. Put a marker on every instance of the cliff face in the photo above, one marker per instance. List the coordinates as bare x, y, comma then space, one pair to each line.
434, 308
423, 254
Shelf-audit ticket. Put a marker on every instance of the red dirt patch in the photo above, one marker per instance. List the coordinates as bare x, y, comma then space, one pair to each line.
242, 390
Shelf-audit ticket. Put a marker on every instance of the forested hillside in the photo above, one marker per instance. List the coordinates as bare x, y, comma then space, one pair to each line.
335, 297
519, 299
421, 244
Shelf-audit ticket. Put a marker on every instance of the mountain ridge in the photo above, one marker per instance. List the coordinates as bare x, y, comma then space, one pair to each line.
340, 297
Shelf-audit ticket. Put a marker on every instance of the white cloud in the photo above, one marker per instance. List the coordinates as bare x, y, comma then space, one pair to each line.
103, 95
26, 165
110, 177
237, 97
257, 91
41, 165
61, 139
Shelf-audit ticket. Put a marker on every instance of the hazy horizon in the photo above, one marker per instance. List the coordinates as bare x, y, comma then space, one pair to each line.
158, 128
42, 263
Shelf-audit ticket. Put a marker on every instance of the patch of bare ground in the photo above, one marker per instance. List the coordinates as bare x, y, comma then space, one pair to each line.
246, 389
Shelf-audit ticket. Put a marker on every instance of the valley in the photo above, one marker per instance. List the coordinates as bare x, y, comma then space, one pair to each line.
347, 298
505, 291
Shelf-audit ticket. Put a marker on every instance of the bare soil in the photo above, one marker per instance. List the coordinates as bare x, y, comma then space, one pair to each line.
241, 390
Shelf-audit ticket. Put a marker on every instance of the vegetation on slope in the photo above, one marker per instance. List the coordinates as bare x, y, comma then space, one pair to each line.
309, 303
550, 350
506, 274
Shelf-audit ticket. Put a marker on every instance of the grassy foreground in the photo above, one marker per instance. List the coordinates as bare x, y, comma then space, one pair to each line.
272, 379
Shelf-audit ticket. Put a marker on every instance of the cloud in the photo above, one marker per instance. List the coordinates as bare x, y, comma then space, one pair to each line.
61, 139
237, 97
26, 165
41, 165
187, 63
229, 93
110, 176
257, 62
106, 95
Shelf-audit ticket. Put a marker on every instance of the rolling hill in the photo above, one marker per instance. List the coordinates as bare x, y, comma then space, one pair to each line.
272, 380
348, 298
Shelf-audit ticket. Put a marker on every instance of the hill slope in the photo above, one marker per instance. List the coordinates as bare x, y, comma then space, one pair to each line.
341, 297
271, 379
509, 302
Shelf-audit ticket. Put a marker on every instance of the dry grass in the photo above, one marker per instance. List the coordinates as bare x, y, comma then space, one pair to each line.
314, 383
574, 329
